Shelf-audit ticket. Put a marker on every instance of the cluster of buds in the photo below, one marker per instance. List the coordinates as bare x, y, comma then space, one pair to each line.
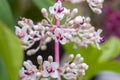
49, 69
71, 28
74, 68
95, 5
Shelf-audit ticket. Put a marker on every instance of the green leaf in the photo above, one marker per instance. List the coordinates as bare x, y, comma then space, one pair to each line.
5, 14
44, 3
10, 52
109, 66
100, 67
3, 71
110, 49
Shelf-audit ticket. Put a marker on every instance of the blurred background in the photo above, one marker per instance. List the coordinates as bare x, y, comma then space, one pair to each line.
103, 64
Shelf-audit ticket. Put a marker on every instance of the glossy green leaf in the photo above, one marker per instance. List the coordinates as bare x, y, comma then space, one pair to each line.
10, 52
110, 49
44, 3
5, 14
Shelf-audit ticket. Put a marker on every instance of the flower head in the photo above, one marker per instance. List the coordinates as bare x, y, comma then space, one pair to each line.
57, 10
59, 36
50, 69
22, 33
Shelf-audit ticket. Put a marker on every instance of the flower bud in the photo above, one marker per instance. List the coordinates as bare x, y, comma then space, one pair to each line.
79, 20
48, 39
43, 47
44, 12
71, 57
97, 10
38, 74
31, 52
50, 59
32, 33
87, 19
39, 60
72, 65
74, 12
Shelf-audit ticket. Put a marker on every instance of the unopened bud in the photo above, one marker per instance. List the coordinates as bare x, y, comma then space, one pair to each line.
71, 57
77, 59
74, 12
87, 19
31, 52
21, 23
43, 47
71, 22
50, 58
32, 33
97, 10
38, 74
44, 12
39, 60
72, 65
48, 39
79, 20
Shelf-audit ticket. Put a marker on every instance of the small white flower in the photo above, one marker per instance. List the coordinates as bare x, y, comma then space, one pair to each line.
50, 69
29, 73
22, 33
57, 10
59, 36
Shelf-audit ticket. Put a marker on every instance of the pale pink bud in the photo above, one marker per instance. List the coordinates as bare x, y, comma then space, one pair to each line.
74, 12
44, 12
97, 10
31, 52
71, 57
38, 74
88, 19
43, 47
39, 60
79, 20
72, 65
50, 58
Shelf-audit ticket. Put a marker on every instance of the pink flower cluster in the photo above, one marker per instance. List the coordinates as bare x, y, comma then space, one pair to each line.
77, 29
49, 69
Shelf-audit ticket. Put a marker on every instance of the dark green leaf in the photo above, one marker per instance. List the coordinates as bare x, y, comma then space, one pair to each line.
3, 71
5, 14
44, 3
10, 52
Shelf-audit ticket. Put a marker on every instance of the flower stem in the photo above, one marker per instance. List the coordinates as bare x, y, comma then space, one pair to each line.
56, 49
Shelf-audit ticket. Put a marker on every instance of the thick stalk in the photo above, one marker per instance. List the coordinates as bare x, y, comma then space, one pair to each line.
56, 49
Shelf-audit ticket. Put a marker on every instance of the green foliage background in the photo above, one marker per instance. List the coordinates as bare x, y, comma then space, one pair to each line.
11, 53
